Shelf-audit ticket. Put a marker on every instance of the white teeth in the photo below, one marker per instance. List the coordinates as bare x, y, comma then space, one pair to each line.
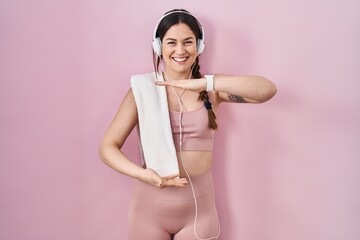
180, 59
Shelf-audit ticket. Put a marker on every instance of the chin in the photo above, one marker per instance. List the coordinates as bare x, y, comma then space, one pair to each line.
180, 69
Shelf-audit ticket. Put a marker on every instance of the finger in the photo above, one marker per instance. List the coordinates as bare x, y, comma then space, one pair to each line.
181, 180
176, 183
158, 183
173, 84
171, 176
163, 83
180, 184
184, 180
156, 180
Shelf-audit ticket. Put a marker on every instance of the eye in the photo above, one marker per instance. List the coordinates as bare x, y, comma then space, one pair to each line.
171, 43
188, 43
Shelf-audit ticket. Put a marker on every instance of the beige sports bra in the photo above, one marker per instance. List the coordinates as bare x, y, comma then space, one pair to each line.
196, 134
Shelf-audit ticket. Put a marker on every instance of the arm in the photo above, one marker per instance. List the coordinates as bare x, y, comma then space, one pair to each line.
243, 89
239, 89
115, 136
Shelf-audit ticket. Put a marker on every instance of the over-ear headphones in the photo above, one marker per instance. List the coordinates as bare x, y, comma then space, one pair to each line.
156, 43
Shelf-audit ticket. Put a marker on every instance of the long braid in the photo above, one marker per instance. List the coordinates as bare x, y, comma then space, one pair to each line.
205, 97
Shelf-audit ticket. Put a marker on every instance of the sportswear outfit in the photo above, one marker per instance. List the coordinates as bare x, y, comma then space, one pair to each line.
168, 213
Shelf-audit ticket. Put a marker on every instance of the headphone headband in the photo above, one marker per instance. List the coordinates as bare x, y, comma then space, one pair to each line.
157, 41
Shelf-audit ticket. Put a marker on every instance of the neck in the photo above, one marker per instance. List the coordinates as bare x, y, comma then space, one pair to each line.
169, 75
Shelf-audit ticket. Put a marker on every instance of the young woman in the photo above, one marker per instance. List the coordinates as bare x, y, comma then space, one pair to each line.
180, 206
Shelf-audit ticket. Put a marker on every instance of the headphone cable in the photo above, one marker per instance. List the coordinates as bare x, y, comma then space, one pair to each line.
182, 160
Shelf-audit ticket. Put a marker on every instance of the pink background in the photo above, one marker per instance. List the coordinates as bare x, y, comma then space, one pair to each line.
285, 169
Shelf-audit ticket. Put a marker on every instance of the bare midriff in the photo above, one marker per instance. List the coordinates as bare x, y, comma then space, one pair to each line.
196, 162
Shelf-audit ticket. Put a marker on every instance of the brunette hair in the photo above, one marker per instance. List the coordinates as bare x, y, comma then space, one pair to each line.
183, 16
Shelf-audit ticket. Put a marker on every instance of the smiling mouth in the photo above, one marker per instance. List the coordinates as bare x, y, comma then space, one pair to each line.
180, 59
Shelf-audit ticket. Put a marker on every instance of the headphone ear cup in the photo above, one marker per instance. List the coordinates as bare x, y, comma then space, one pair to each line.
156, 44
200, 46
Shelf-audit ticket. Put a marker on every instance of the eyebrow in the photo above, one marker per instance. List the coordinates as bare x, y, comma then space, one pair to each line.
173, 39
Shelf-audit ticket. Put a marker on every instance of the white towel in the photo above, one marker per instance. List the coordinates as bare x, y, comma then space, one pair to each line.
156, 141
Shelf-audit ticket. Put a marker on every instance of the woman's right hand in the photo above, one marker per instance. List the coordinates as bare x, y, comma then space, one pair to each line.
153, 178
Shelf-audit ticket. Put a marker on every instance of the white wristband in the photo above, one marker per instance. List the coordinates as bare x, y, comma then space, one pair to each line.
209, 82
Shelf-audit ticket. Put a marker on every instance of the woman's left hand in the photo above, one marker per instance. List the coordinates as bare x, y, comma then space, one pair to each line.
196, 85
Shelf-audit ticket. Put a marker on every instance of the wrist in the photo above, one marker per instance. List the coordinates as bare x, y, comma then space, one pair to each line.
141, 174
204, 83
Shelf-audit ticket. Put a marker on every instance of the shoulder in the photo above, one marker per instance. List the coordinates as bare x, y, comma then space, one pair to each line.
150, 76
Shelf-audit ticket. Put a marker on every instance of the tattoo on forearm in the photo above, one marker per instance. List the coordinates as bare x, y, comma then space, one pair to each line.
235, 98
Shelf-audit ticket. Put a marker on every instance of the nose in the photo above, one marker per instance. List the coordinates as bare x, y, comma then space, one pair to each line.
180, 49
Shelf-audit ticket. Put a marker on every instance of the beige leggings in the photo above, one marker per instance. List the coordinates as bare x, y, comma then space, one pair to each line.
168, 213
